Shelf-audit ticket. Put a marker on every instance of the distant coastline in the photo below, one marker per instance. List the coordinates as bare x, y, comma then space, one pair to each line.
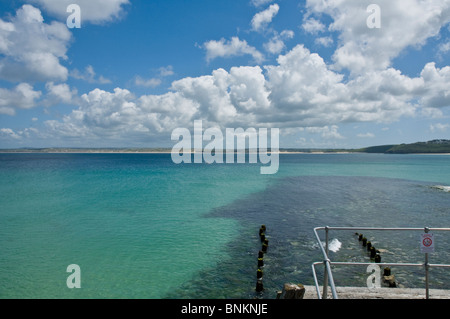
64, 150
441, 147
146, 151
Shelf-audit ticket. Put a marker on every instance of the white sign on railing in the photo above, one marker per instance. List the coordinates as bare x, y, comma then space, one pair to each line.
427, 243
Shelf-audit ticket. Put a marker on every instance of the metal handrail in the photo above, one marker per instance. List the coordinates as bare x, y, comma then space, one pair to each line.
328, 276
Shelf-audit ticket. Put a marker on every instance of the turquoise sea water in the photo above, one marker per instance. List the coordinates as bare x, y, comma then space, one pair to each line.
140, 226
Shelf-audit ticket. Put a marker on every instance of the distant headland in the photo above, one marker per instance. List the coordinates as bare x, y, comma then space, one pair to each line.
441, 146
430, 147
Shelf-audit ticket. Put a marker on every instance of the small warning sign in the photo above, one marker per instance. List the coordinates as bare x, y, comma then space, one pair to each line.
427, 243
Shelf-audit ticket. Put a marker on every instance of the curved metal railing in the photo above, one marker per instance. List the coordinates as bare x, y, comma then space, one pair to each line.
328, 275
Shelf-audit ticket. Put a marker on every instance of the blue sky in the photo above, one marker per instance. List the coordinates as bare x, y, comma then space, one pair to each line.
136, 70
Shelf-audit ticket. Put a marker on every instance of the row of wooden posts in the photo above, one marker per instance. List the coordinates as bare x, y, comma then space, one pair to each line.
290, 291
259, 272
375, 254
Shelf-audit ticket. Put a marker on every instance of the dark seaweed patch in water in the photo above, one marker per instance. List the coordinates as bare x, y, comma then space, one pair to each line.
293, 207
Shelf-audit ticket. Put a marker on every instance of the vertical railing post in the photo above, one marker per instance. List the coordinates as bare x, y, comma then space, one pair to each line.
325, 274
427, 292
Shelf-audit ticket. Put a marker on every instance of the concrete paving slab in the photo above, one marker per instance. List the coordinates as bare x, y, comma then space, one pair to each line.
379, 293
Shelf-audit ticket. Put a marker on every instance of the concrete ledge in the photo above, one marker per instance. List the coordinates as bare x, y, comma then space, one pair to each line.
380, 293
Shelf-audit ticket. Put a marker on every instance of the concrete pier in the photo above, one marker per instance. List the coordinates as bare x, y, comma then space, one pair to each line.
378, 293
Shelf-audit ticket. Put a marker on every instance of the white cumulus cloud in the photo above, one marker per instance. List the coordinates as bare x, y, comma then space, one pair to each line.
32, 50
324, 41
59, 93
234, 47
405, 24
299, 92
263, 18
276, 43
313, 26
23, 96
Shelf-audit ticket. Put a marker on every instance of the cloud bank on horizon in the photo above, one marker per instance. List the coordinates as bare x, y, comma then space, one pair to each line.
322, 76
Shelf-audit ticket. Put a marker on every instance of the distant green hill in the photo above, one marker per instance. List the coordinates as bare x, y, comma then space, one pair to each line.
376, 149
430, 147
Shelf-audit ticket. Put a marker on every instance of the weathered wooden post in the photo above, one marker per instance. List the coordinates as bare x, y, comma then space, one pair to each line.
262, 231
373, 252
377, 258
259, 285
260, 262
292, 291
265, 245
259, 274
